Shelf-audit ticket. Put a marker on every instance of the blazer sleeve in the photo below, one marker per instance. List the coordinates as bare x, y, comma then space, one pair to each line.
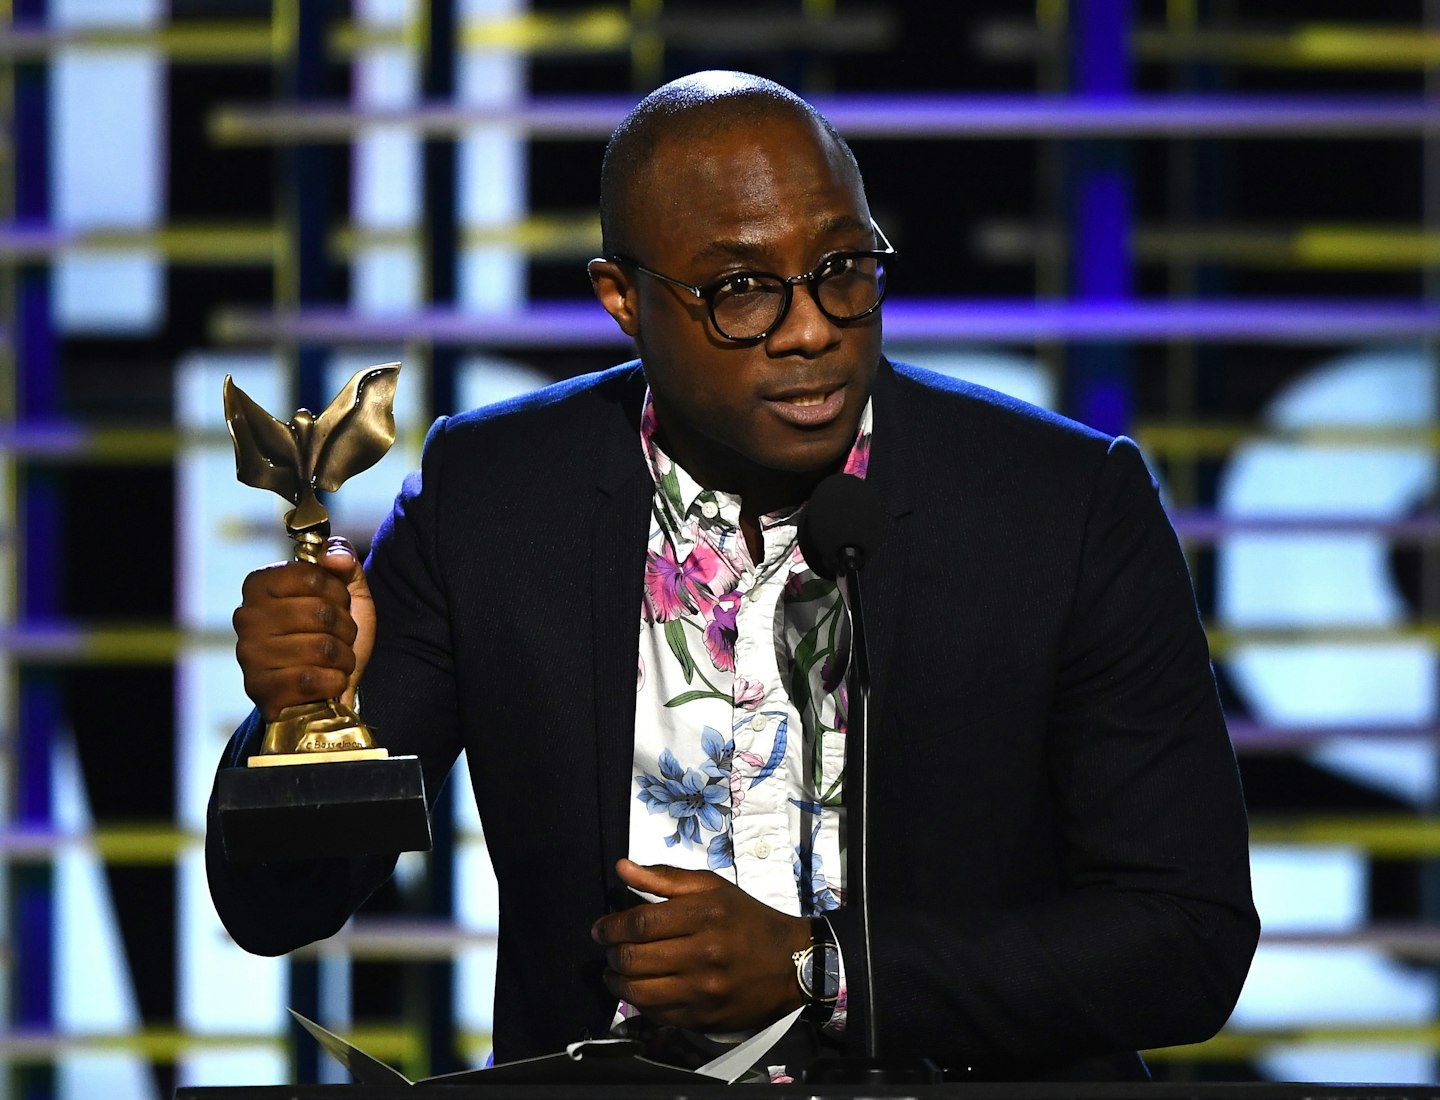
408, 701
1147, 935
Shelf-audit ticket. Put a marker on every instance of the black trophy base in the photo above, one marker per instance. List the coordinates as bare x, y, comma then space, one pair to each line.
309, 811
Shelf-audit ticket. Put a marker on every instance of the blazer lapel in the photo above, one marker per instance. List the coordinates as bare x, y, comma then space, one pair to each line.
618, 528
892, 472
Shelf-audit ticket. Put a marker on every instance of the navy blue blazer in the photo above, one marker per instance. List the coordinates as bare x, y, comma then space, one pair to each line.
1059, 872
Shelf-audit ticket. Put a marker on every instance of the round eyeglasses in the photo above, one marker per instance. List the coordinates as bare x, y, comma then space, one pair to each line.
746, 306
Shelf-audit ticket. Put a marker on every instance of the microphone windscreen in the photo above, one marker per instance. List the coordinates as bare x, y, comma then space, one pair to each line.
843, 512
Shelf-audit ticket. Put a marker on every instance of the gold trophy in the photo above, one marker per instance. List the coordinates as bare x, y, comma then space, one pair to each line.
319, 786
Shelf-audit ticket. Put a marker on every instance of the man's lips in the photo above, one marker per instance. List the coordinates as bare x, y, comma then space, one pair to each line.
808, 408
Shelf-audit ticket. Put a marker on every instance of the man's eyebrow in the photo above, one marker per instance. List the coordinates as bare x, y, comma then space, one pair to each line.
753, 251
758, 252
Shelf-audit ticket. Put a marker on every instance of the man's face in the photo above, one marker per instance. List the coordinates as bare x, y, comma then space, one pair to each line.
778, 197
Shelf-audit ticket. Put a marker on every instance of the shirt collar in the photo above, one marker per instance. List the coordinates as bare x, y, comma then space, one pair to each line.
681, 498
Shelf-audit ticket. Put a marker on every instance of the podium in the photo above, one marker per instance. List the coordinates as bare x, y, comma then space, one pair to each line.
1144, 1090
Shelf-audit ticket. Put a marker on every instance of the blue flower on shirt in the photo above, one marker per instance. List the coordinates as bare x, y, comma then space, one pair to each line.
721, 852
819, 894
695, 798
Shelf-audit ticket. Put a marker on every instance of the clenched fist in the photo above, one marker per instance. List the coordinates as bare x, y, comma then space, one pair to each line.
305, 632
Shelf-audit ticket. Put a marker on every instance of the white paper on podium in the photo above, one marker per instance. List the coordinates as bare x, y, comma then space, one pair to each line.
595, 1061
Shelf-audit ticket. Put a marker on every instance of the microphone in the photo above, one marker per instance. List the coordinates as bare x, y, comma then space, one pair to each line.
843, 517
843, 525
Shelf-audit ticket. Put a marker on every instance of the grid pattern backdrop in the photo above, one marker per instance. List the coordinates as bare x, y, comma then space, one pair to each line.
1210, 225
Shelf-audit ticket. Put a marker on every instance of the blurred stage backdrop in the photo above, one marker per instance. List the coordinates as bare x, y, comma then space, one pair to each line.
1214, 226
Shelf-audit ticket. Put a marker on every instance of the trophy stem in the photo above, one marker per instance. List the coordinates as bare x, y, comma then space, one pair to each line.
309, 541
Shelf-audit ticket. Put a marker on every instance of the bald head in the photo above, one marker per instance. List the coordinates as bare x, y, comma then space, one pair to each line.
687, 110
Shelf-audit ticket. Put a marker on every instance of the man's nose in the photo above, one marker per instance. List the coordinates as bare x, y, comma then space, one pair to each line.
805, 330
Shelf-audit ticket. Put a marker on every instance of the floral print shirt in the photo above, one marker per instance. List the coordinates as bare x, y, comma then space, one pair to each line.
740, 717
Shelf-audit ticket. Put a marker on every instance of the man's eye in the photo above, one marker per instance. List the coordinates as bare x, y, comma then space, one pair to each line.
743, 284
836, 266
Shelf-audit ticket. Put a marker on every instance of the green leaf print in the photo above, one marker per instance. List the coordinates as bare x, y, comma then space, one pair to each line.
675, 638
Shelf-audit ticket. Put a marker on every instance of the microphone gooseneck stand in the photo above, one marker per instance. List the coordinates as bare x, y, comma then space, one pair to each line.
857, 764
841, 533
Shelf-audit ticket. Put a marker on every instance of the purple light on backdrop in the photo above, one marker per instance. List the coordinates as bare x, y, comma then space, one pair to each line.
1102, 53
1102, 232
911, 321
896, 116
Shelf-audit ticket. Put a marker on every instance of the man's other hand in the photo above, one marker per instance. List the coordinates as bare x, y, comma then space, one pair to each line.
709, 957
304, 632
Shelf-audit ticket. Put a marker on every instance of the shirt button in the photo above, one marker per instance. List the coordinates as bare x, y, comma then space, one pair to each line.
762, 849
709, 509
758, 723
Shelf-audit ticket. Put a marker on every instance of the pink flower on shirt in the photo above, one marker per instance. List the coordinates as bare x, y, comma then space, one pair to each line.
738, 778
748, 692
858, 462
673, 588
721, 631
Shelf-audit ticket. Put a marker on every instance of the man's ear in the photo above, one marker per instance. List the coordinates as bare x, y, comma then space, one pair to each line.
617, 294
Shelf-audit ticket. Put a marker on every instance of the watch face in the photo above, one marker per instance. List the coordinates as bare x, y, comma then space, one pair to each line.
829, 986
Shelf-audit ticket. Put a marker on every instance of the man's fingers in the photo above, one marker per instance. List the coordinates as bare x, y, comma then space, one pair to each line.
667, 881
297, 615
341, 560
660, 920
642, 924
661, 999
295, 651
645, 960
299, 627
294, 578
286, 687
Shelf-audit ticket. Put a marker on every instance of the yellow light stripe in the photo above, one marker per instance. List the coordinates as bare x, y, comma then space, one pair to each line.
1218, 439
108, 644
1319, 247
141, 844
612, 30
1224, 642
220, 244
647, 43
1351, 248
1379, 836
160, 1044
1236, 1046
602, 29
1314, 46
248, 40
1389, 48
133, 645
1052, 15
405, 1042
558, 235
230, 244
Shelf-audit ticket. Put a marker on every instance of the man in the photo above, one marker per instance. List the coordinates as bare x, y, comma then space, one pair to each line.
1059, 872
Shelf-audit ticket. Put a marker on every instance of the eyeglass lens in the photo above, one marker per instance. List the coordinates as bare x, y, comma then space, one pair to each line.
848, 287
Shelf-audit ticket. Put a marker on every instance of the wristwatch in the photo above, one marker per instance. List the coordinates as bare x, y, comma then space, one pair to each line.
817, 970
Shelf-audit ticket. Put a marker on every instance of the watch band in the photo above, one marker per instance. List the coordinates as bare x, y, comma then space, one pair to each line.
812, 965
